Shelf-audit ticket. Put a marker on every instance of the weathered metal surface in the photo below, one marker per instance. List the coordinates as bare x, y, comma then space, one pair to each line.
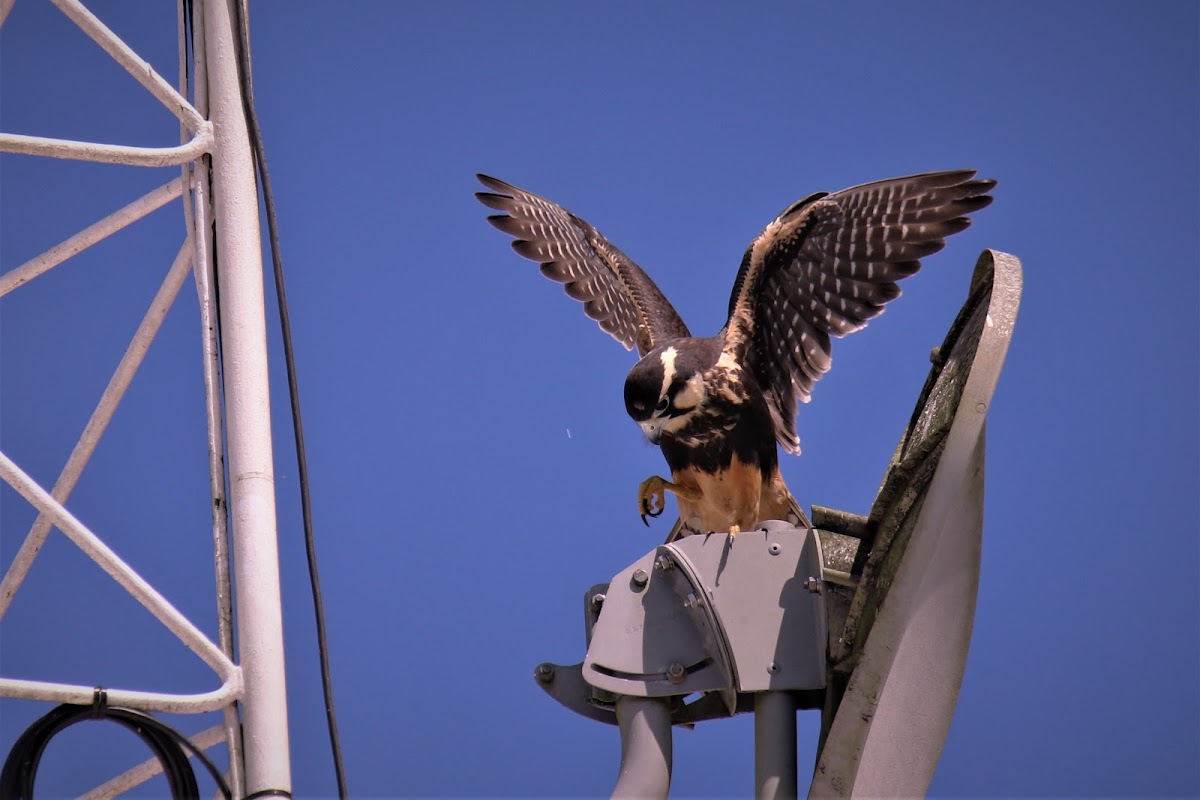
899, 662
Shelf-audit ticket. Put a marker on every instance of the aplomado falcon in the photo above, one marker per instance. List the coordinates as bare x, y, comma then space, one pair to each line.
718, 405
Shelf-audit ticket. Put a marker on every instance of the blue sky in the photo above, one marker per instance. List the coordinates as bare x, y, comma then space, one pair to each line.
473, 467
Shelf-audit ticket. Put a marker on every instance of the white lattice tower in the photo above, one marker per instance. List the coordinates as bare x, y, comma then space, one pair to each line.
215, 187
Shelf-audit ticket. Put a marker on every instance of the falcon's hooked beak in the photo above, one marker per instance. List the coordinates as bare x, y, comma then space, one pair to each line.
653, 428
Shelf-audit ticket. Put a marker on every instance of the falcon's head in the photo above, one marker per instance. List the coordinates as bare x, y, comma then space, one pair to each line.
667, 387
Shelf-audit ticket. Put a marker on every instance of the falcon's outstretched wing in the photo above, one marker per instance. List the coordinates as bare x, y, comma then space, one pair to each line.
828, 264
614, 291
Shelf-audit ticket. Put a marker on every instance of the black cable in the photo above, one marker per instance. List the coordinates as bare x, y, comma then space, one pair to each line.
243, 37
168, 745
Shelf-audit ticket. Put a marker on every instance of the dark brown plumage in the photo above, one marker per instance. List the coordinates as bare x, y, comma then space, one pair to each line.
614, 291
717, 406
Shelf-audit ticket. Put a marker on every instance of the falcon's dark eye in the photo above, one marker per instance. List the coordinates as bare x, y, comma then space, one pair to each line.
662, 405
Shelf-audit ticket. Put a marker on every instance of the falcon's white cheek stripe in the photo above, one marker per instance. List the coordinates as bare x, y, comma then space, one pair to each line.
668, 362
674, 425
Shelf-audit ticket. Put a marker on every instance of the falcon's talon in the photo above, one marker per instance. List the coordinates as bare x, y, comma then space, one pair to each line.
649, 513
652, 498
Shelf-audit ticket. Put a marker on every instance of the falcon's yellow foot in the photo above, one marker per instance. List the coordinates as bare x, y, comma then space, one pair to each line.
734, 530
652, 497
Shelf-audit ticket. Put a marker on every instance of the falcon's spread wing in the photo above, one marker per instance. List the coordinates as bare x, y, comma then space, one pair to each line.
614, 291
828, 264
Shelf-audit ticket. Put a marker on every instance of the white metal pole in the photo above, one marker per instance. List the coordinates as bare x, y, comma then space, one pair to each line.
248, 417
197, 218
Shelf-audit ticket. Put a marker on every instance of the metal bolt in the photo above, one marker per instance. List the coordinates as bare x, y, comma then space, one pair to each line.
772, 668
663, 563
676, 673
640, 579
597, 601
692, 601
813, 585
544, 673
774, 549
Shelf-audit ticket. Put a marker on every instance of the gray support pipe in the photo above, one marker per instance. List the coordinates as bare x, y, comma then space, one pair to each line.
774, 745
645, 725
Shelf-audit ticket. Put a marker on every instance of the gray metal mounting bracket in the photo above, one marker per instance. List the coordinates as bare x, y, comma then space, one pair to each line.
704, 615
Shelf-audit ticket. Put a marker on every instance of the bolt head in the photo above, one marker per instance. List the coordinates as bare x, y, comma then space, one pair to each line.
813, 585
640, 579
544, 673
663, 563
676, 673
597, 601
772, 668
774, 549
